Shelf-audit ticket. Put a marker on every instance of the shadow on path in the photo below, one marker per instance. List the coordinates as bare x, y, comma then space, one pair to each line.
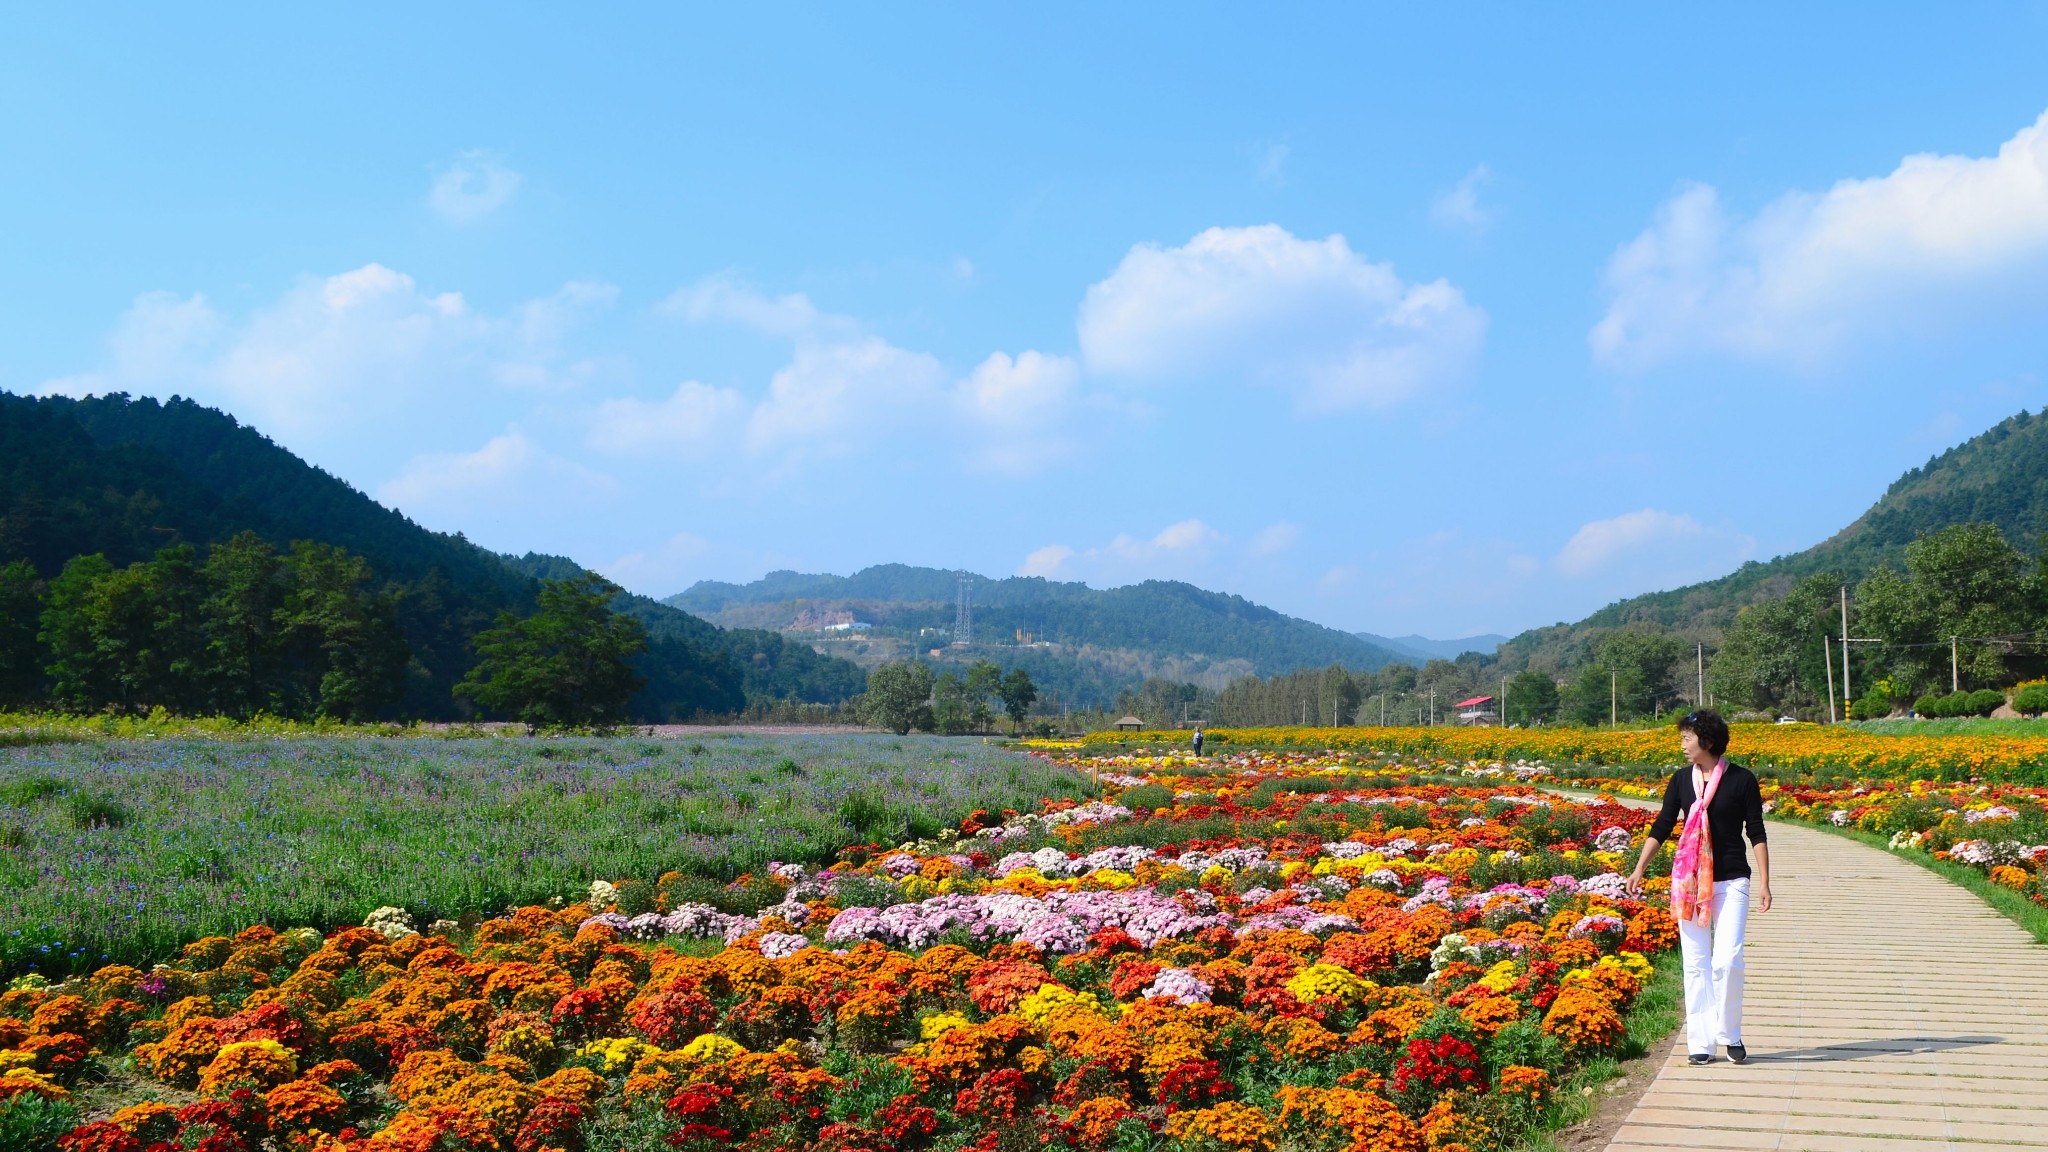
1869, 1049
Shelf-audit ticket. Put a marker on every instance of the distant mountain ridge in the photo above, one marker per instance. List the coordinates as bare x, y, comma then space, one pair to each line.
1999, 477
1157, 627
1423, 648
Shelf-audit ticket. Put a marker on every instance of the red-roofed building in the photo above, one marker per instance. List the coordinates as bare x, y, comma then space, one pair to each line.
1475, 711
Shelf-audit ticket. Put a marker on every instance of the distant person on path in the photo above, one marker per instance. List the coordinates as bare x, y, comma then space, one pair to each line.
1710, 880
1198, 741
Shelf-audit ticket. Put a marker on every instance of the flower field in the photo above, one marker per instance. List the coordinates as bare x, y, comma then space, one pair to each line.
125, 850
1248, 954
1807, 748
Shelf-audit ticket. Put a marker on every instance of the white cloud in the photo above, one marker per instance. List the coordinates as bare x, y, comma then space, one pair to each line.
664, 569
724, 300
332, 354
1046, 561
1017, 404
832, 396
690, 418
537, 330
1184, 535
162, 339
1026, 392
1597, 544
509, 471
1273, 165
344, 346
1275, 538
1310, 316
471, 188
1174, 549
1458, 207
1811, 272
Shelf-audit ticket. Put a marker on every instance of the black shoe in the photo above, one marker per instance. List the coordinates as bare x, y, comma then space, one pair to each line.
1737, 1054
1699, 1059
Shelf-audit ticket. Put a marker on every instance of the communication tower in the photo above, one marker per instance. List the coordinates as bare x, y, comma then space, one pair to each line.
963, 617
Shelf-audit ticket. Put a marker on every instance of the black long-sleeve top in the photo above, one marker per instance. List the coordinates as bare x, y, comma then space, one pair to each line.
1738, 805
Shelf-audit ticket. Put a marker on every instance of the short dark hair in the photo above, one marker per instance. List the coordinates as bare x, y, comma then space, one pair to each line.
1706, 724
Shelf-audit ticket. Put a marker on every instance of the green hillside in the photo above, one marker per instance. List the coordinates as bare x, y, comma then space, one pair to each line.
1083, 644
1998, 478
126, 477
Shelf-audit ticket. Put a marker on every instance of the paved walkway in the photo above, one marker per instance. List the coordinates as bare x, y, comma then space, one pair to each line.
1887, 1011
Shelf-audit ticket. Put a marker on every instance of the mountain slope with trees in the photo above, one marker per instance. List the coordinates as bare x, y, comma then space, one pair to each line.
1998, 478
128, 479
1951, 548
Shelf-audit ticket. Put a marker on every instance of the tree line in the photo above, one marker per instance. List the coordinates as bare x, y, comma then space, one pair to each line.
906, 696
1969, 613
304, 633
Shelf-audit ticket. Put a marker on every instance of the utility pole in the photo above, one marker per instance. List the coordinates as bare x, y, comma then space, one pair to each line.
1955, 679
1502, 709
1829, 663
1613, 697
1700, 696
1383, 709
1847, 695
1432, 707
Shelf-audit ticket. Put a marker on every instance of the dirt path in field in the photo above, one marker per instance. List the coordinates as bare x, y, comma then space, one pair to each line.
1886, 1010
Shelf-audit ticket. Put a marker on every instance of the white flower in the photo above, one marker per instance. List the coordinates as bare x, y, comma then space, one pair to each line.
390, 923
602, 895
777, 945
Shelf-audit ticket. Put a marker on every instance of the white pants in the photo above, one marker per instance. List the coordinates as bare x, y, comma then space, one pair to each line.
1713, 970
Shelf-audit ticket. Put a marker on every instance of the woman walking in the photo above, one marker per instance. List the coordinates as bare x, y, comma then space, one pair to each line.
1710, 880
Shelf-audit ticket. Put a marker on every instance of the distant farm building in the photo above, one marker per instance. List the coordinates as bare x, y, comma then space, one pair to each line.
1476, 711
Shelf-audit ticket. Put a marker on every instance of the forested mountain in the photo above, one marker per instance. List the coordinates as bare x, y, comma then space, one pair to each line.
1952, 549
1998, 478
1084, 645
771, 667
127, 478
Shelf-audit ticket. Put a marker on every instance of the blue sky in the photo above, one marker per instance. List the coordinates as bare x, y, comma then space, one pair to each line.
1396, 321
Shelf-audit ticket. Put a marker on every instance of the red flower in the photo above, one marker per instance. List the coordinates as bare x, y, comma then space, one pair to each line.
906, 1123
100, 1137
675, 1017
700, 1109
1442, 1064
995, 1097
1195, 1084
555, 1122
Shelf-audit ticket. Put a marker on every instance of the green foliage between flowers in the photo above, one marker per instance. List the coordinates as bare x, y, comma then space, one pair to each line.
29, 1123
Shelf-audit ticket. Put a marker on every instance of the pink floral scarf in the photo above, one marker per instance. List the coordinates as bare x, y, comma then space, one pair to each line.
1692, 872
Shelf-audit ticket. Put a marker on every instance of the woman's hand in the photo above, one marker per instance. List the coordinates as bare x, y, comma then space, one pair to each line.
1763, 903
1635, 887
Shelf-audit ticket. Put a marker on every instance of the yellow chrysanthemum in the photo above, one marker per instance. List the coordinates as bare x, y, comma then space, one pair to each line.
1051, 999
939, 1023
617, 1054
1319, 980
1501, 976
711, 1048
